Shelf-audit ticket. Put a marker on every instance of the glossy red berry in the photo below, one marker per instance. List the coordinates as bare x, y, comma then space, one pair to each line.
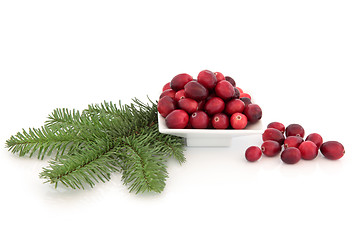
166, 105
293, 141
179, 95
253, 112
273, 134
219, 76
238, 121
179, 81
246, 100
315, 138
168, 92
224, 90
242, 94
166, 86
207, 79
177, 119
291, 155
188, 104
308, 150
220, 121
199, 120
233, 106
253, 153
279, 126
270, 148
214, 105
195, 91
294, 130
240, 90
332, 150
230, 80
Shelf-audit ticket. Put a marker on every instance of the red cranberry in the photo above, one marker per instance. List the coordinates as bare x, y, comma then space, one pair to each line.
294, 130
237, 93
207, 79
225, 90
332, 150
308, 150
168, 92
230, 80
177, 119
253, 153
279, 126
233, 106
179, 95
220, 121
273, 134
253, 112
199, 119
293, 141
188, 104
196, 91
270, 148
246, 100
219, 76
238, 121
214, 105
179, 81
315, 138
166, 86
245, 95
240, 90
166, 105
291, 155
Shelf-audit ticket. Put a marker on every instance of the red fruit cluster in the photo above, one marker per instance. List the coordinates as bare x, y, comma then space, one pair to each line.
295, 147
210, 101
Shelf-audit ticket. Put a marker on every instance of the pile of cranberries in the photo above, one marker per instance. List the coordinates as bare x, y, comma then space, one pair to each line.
210, 101
295, 147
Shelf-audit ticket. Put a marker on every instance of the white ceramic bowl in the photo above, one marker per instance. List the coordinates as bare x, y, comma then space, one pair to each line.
210, 137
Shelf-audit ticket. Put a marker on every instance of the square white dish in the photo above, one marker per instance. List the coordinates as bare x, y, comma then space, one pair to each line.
210, 137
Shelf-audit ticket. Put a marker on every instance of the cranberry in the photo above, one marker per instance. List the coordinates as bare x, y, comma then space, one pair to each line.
196, 91
308, 150
166, 86
315, 138
177, 119
201, 105
188, 104
240, 90
238, 121
179, 95
291, 155
230, 80
279, 126
293, 141
179, 81
242, 94
253, 112
220, 121
233, 106
270, 148
246, 100
168, 92
199, 119
237, 93
273, 134
294, 130
332, 150
214, 105
207, 79
225, 90
253, 153
166, 105
219, 76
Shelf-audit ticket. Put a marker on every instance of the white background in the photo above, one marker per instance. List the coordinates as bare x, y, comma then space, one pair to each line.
299, 59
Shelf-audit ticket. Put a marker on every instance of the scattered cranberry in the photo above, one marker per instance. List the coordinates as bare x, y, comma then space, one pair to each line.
273, 134
230, 80
196, 91
246, 100
224, 90
207, 79
253, 112
177, 119
168, 92
166, 105
233, 106
308, 150
253, 153
270, 148
291, 155
242, 94
199, 119
238, 121
279, 126
315, 138
293, 141
214, 105
294, 130
179, 81
240, 90
332, 150
179, 95
219, 76
220, 121
166, 86
188, 104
